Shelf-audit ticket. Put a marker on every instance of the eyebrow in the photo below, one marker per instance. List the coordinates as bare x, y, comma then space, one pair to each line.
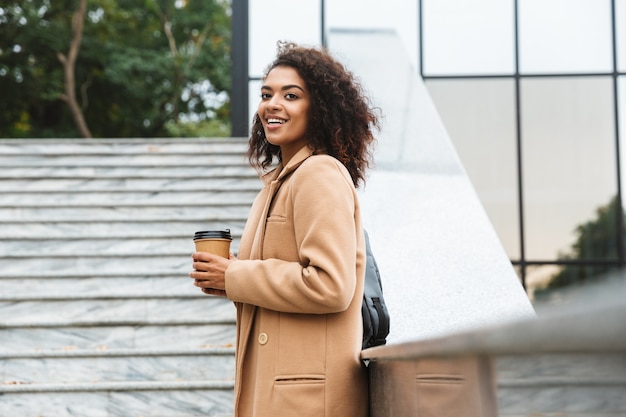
283, 88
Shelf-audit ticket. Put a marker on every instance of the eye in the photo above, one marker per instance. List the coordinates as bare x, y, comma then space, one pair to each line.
291, 96
265, 96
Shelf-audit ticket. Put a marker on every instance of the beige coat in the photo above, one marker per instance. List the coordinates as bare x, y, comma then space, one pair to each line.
298, 288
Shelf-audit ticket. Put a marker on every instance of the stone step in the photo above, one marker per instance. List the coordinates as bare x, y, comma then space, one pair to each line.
196, 212
94, 273
113, 365
37, 287
83, 334
87, 263
562, 384
98, 316
136, 229
85, 247
123, 146
197, 160
84, 310
196, 184
96, 265
125, 172
119, 399
127, 198
570, 366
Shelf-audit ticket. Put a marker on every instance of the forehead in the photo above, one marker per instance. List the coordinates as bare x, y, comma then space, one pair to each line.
283, 75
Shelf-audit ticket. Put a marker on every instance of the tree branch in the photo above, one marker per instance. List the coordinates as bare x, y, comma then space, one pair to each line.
198, 45
69, 63
167, 29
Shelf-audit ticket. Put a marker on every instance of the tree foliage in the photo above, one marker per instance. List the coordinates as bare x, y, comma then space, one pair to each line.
145, 68
596, 240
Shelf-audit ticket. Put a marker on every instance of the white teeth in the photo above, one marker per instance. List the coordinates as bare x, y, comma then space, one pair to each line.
275, 121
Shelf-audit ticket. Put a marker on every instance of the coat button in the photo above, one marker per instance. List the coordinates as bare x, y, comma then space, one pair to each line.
263, 338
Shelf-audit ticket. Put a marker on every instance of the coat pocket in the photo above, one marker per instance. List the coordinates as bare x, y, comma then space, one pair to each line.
276, 218
299, 395
278, 241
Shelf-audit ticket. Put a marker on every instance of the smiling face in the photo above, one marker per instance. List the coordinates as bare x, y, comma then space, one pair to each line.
284, 110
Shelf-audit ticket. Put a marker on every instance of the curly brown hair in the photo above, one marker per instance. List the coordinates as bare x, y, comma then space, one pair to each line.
340, 116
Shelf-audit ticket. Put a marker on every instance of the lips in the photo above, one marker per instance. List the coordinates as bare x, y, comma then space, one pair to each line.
275, 121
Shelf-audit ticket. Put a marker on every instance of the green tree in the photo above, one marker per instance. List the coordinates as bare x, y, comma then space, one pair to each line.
596, 239
144, 68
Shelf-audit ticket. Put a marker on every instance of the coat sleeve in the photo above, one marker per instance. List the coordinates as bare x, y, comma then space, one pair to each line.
323, 280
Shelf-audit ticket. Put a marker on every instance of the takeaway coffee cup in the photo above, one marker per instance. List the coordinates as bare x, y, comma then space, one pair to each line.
216, 242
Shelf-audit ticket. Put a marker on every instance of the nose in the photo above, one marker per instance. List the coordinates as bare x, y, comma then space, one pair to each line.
274, 103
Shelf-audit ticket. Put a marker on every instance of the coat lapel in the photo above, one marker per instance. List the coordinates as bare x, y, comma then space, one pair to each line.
246, 312
273, 181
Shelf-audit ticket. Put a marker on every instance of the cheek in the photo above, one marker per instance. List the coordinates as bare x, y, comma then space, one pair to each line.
304, 117
302, 124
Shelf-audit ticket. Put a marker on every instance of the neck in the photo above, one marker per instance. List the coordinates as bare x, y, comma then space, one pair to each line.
287, 152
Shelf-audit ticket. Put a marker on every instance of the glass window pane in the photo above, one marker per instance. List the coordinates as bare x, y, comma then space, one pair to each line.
468, 37
568, 156
565, 36
569, 284
275, 20
620, 20
480, 118
401, 15
537, 279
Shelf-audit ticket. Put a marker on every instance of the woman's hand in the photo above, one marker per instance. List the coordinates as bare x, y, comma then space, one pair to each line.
209, 272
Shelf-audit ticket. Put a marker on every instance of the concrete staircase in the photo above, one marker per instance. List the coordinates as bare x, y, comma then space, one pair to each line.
97, 314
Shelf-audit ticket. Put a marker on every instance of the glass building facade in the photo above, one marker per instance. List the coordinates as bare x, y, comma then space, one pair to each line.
533, 95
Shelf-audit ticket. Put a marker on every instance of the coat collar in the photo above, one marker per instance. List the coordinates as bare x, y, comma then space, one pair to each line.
281, 171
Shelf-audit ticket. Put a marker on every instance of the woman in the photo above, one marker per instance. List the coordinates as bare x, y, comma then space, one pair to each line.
298, 282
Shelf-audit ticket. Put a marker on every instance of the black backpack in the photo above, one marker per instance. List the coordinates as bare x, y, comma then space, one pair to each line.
374, 310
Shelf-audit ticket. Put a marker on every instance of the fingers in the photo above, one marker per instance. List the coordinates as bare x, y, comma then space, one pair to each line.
203, 284
207, 262
208, 284
213, 291
201, 266
208, 271
202, 261
205, 257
